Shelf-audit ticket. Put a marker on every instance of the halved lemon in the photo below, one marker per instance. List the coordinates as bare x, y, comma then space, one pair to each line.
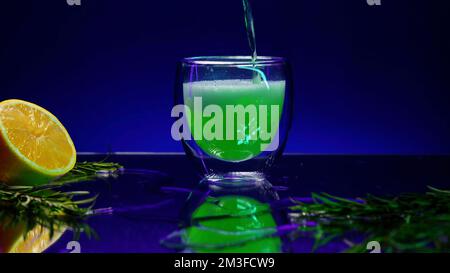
34, 146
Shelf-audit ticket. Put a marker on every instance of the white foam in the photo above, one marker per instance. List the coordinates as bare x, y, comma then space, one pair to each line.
232, 85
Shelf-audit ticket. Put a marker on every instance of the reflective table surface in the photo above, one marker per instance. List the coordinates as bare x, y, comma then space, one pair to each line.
151, 205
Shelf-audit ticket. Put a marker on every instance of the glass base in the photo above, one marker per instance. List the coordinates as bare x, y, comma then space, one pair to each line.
236, 179
252, 184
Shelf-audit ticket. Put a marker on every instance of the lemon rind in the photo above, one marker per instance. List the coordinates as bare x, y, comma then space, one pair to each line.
28, 162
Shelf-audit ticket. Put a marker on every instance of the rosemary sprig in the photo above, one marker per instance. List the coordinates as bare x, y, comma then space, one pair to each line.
89, 170
49, 207
410, 222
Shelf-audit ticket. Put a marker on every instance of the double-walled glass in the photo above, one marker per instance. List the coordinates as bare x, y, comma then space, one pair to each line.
233, 115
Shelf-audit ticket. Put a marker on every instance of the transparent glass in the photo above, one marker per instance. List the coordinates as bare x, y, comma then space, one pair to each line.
236, 116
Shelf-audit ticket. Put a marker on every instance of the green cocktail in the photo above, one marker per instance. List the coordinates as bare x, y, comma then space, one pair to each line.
234, 120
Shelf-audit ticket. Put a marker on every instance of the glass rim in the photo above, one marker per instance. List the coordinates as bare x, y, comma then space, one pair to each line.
232, 60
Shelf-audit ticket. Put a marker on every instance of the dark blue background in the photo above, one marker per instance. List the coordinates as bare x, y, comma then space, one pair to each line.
369, 79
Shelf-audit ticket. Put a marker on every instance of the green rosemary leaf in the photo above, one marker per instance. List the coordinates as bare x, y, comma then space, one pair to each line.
48, 206
344, 200
321, 199
405, 223
438, 190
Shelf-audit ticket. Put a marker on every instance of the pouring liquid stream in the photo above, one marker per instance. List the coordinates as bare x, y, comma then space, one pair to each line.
250, 29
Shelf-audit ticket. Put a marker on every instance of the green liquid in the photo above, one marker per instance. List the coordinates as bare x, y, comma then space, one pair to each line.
250, 29
244, 226
235, 92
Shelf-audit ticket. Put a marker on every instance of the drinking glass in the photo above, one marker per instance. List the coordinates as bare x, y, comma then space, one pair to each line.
233, 115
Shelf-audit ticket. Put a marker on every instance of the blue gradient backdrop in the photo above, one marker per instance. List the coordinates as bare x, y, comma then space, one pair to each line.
369, 79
